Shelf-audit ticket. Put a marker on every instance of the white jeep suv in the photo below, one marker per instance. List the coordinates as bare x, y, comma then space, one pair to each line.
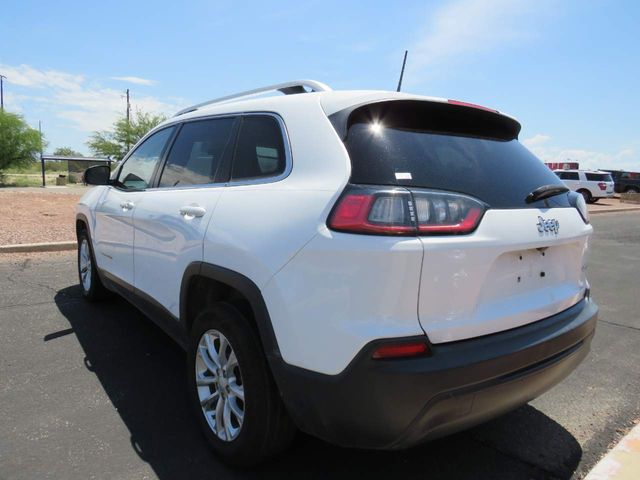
373, 268
591, 184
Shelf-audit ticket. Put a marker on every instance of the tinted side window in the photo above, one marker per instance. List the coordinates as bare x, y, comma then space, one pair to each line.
137, 171
598, 177
570, 176
197, 152
260, 149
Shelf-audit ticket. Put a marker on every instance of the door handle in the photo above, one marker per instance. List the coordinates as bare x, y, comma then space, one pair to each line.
126, 205
191, 211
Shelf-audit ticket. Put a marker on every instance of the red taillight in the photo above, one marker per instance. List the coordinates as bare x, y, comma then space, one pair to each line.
401, 350
472, 105
352, 215
400, 211
467, 224
602, 185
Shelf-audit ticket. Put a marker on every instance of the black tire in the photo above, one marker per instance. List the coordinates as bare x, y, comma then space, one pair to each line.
266, 429
632, 190
594, 200
93, 290
586, 195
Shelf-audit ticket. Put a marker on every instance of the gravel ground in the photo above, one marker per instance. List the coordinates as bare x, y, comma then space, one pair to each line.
35, 217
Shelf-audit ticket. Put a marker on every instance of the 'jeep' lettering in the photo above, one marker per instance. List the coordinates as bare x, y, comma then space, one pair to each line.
550, 225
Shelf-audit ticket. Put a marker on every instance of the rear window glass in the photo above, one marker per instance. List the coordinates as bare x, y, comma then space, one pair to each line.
396, 150
598, 177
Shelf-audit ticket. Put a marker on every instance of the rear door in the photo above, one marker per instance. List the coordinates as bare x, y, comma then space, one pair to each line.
171, 220
524, 261
113, 231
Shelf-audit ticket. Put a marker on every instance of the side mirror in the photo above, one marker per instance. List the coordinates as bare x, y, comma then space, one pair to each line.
97, 175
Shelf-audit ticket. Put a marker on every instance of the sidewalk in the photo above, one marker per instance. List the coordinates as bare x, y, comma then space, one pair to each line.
610, 205
621, 463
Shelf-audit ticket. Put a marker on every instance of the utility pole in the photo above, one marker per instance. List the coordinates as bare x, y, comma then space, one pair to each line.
128, 118
44, 181
404, 62
128, 108
2, 77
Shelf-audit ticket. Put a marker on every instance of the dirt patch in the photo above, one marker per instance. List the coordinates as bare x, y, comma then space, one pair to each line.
35, 217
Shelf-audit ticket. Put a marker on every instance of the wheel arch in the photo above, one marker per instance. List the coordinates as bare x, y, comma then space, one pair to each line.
232, 286
82, 222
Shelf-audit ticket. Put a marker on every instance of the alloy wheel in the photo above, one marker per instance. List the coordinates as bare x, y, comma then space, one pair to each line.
84, 264
219, 384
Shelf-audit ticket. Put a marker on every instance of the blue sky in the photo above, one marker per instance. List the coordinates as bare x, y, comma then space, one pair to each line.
569, 71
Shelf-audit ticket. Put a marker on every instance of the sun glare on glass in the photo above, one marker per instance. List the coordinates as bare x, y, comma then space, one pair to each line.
376, 128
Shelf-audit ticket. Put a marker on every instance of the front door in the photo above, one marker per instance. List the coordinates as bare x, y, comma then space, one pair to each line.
113, 230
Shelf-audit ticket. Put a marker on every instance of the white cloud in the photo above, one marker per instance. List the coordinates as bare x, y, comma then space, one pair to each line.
626, 158
536, 141
88, 106
470, 27
136, 80
27, 76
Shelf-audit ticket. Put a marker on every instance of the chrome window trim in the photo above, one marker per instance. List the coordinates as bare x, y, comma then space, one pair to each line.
252, 181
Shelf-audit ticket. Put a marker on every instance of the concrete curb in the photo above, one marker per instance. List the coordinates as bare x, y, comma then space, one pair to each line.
614, 210
38, 247
622, 462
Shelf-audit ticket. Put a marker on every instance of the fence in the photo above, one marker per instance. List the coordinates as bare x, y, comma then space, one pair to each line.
76, 166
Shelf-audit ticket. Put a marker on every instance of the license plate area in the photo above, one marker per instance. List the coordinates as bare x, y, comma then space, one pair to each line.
522, 271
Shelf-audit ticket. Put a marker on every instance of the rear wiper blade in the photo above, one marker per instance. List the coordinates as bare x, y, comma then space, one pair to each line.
545, 191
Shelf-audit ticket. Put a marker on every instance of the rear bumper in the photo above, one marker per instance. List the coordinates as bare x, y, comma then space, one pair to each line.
392, 404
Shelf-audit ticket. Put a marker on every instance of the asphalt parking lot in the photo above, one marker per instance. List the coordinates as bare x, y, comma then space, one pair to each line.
97, 391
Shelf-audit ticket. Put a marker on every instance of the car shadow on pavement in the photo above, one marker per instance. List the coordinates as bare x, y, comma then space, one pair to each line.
143, 373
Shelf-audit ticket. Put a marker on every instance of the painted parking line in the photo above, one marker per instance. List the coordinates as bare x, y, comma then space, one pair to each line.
621, 463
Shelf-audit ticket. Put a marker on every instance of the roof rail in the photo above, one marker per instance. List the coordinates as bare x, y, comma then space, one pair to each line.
288, 88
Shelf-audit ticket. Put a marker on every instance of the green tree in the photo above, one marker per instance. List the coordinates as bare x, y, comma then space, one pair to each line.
19, 143
66, 152
125, 134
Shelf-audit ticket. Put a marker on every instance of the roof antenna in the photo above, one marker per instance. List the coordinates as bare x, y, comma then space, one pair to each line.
404, 62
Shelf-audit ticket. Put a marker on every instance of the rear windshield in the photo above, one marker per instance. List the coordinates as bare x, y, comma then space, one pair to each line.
599, 177
408, 150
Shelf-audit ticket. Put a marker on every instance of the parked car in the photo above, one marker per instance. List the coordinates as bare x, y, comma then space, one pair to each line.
592, 185
351, 264
625, 182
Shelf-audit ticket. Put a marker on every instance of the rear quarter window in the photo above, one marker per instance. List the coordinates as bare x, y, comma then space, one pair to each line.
260, 150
